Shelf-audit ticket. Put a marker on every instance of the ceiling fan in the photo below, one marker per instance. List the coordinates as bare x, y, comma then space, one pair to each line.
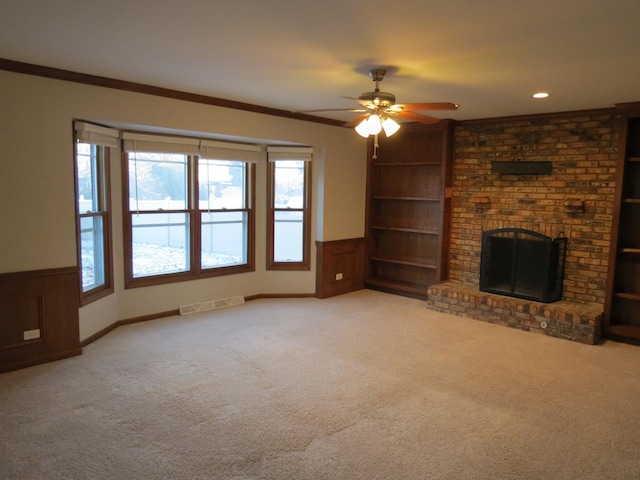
377, 109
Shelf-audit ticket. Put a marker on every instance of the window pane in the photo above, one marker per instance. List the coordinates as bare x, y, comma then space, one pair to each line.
160, 243
289, 184
157, 181
91, 252
288, 236
86, 168
221, 184
224, 239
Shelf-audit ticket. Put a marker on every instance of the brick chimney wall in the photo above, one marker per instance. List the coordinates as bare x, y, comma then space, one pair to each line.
576, 199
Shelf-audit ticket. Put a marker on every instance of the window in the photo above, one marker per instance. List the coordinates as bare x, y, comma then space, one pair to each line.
188, 208
222, 207
93, 220
289, 227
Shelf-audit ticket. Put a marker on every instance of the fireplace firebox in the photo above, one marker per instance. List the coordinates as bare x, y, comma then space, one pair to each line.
522, 263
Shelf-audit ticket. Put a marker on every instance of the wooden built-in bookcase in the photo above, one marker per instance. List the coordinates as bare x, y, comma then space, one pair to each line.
622, 304
408, 207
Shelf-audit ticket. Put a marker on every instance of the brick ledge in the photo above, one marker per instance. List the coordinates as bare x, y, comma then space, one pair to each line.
579, 322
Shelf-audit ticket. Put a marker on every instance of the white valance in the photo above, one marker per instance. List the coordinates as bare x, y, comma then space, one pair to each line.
96, 135
289, 153
213, 150
141, 142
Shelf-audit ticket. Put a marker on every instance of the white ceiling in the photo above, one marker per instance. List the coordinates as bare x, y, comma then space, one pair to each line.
489, 56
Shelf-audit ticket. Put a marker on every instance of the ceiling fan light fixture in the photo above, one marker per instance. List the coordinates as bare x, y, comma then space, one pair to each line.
374, 124
390, 126
362, 128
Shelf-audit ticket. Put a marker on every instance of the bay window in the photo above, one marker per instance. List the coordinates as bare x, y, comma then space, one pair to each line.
189, 208
289, 196
93, 216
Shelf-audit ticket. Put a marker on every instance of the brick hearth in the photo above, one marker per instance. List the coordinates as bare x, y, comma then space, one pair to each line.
569, 320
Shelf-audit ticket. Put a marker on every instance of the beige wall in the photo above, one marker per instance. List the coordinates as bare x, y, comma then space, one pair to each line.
37, 194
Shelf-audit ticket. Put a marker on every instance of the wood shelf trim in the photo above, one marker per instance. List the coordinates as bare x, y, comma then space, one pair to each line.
631, 200
409, 263
630, 250
628, 296
399, 286
404, 229
633, 159
407, 199
625, 333
407, 164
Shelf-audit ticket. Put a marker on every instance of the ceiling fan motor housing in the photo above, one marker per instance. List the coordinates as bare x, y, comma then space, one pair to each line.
377, 99
377, 74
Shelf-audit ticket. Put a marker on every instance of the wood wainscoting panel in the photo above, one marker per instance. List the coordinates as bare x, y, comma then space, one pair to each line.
39, 318
18, 315
339, 267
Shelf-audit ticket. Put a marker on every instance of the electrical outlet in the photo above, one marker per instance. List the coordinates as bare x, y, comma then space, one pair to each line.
338, 276
31, 334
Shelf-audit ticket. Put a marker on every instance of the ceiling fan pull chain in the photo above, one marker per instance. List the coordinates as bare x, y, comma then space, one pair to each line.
375, 147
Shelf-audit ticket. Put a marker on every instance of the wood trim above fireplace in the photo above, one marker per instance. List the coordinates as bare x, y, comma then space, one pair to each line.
521, 168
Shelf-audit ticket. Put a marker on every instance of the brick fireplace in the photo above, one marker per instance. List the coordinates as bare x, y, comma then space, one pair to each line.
574, 200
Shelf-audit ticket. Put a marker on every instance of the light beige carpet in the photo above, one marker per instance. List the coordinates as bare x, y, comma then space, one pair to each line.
362, 386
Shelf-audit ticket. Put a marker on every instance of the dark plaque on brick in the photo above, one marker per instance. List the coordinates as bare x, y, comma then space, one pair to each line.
521, 168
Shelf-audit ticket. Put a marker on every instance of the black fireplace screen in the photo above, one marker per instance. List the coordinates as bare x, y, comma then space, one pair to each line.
521, 263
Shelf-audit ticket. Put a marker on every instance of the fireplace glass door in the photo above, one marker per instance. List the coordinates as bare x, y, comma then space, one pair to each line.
521, 263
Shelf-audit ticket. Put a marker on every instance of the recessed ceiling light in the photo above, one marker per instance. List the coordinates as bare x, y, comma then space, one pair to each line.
541, 95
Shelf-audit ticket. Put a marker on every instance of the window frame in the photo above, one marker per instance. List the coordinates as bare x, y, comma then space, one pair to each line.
249, 202
194, 230
280, 154
102, 183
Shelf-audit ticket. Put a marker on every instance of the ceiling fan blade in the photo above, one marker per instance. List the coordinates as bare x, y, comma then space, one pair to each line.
334, 110
356, 121
416, 117
427, 106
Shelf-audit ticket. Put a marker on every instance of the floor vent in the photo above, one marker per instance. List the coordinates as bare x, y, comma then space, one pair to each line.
210, 305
